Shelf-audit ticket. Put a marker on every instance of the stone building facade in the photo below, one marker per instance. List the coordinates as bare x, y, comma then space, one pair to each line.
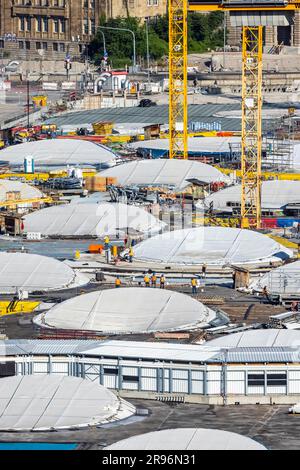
52, 28
273, 35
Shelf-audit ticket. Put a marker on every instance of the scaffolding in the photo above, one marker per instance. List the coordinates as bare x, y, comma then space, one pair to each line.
251, 127
178, 78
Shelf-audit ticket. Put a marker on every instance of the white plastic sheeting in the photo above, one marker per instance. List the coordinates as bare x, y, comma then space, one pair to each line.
187, 439
258, 338
282, 280
40, 403
26, 191
275, 195
214, 145
164, 172
210, 245
58, 152
128, 310
34, 272
91, 220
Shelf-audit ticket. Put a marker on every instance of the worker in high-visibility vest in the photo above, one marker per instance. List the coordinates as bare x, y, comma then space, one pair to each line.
194, 285
106, 240
118, 282
131, 254
147, 280
162, 281
153, 280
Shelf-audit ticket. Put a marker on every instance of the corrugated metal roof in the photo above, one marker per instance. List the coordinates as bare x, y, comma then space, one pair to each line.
258, 355
155, 115
153, 351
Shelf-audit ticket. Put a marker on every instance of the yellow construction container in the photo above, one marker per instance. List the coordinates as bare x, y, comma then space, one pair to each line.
40, 100
103, 128
77, 254
11, 307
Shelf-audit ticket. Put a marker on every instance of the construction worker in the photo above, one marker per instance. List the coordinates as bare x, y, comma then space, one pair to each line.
118, 282
204, 271
131, 254
194, 285
162, 281
106, 240
147, 280
153, 280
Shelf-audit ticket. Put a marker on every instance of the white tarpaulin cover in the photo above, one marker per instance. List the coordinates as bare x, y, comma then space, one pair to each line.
211, 245
26, 191
91, 220
164, 172
187, 439
275, 195
34, 272
282, 280
128, 310
43, 402
207, 145
60, 152
257, 339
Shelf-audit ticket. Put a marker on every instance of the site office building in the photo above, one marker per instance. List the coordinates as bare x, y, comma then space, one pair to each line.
60, 26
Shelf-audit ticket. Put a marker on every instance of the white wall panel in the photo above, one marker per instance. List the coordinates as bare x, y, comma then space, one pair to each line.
147, 372
294, 386
130, 385
197, 386
257, 390
130, 371
40, 367
148, 383
180, 374
214, 387
235, 375
60, 367
110, 381
276, 390
236, 387
180, 386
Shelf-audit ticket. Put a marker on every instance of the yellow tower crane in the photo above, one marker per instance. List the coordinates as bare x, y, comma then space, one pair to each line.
178, 56
251, 88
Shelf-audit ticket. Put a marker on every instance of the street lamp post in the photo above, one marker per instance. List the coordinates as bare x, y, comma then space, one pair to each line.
104, 43
134, 40
148, 54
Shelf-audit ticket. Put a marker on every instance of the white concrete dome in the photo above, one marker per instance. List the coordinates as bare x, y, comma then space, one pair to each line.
258, 339
127, 311
58, 152
48, 402
282, 280
210, 245
164, 172
275, 195
187, 439
26, 191
91, 220
34, 273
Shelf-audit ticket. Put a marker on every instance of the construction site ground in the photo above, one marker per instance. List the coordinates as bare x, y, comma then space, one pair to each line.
270, 425
241, 309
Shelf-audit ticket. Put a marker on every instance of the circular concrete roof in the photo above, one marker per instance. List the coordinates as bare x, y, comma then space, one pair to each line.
164, 172
58, 152
26, 191
187, 439
212, 245
275, 195
128, 310
258, 338
91, 220
46, 402
34, 273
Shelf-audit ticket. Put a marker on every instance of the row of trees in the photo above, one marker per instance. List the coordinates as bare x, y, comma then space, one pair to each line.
205, 32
